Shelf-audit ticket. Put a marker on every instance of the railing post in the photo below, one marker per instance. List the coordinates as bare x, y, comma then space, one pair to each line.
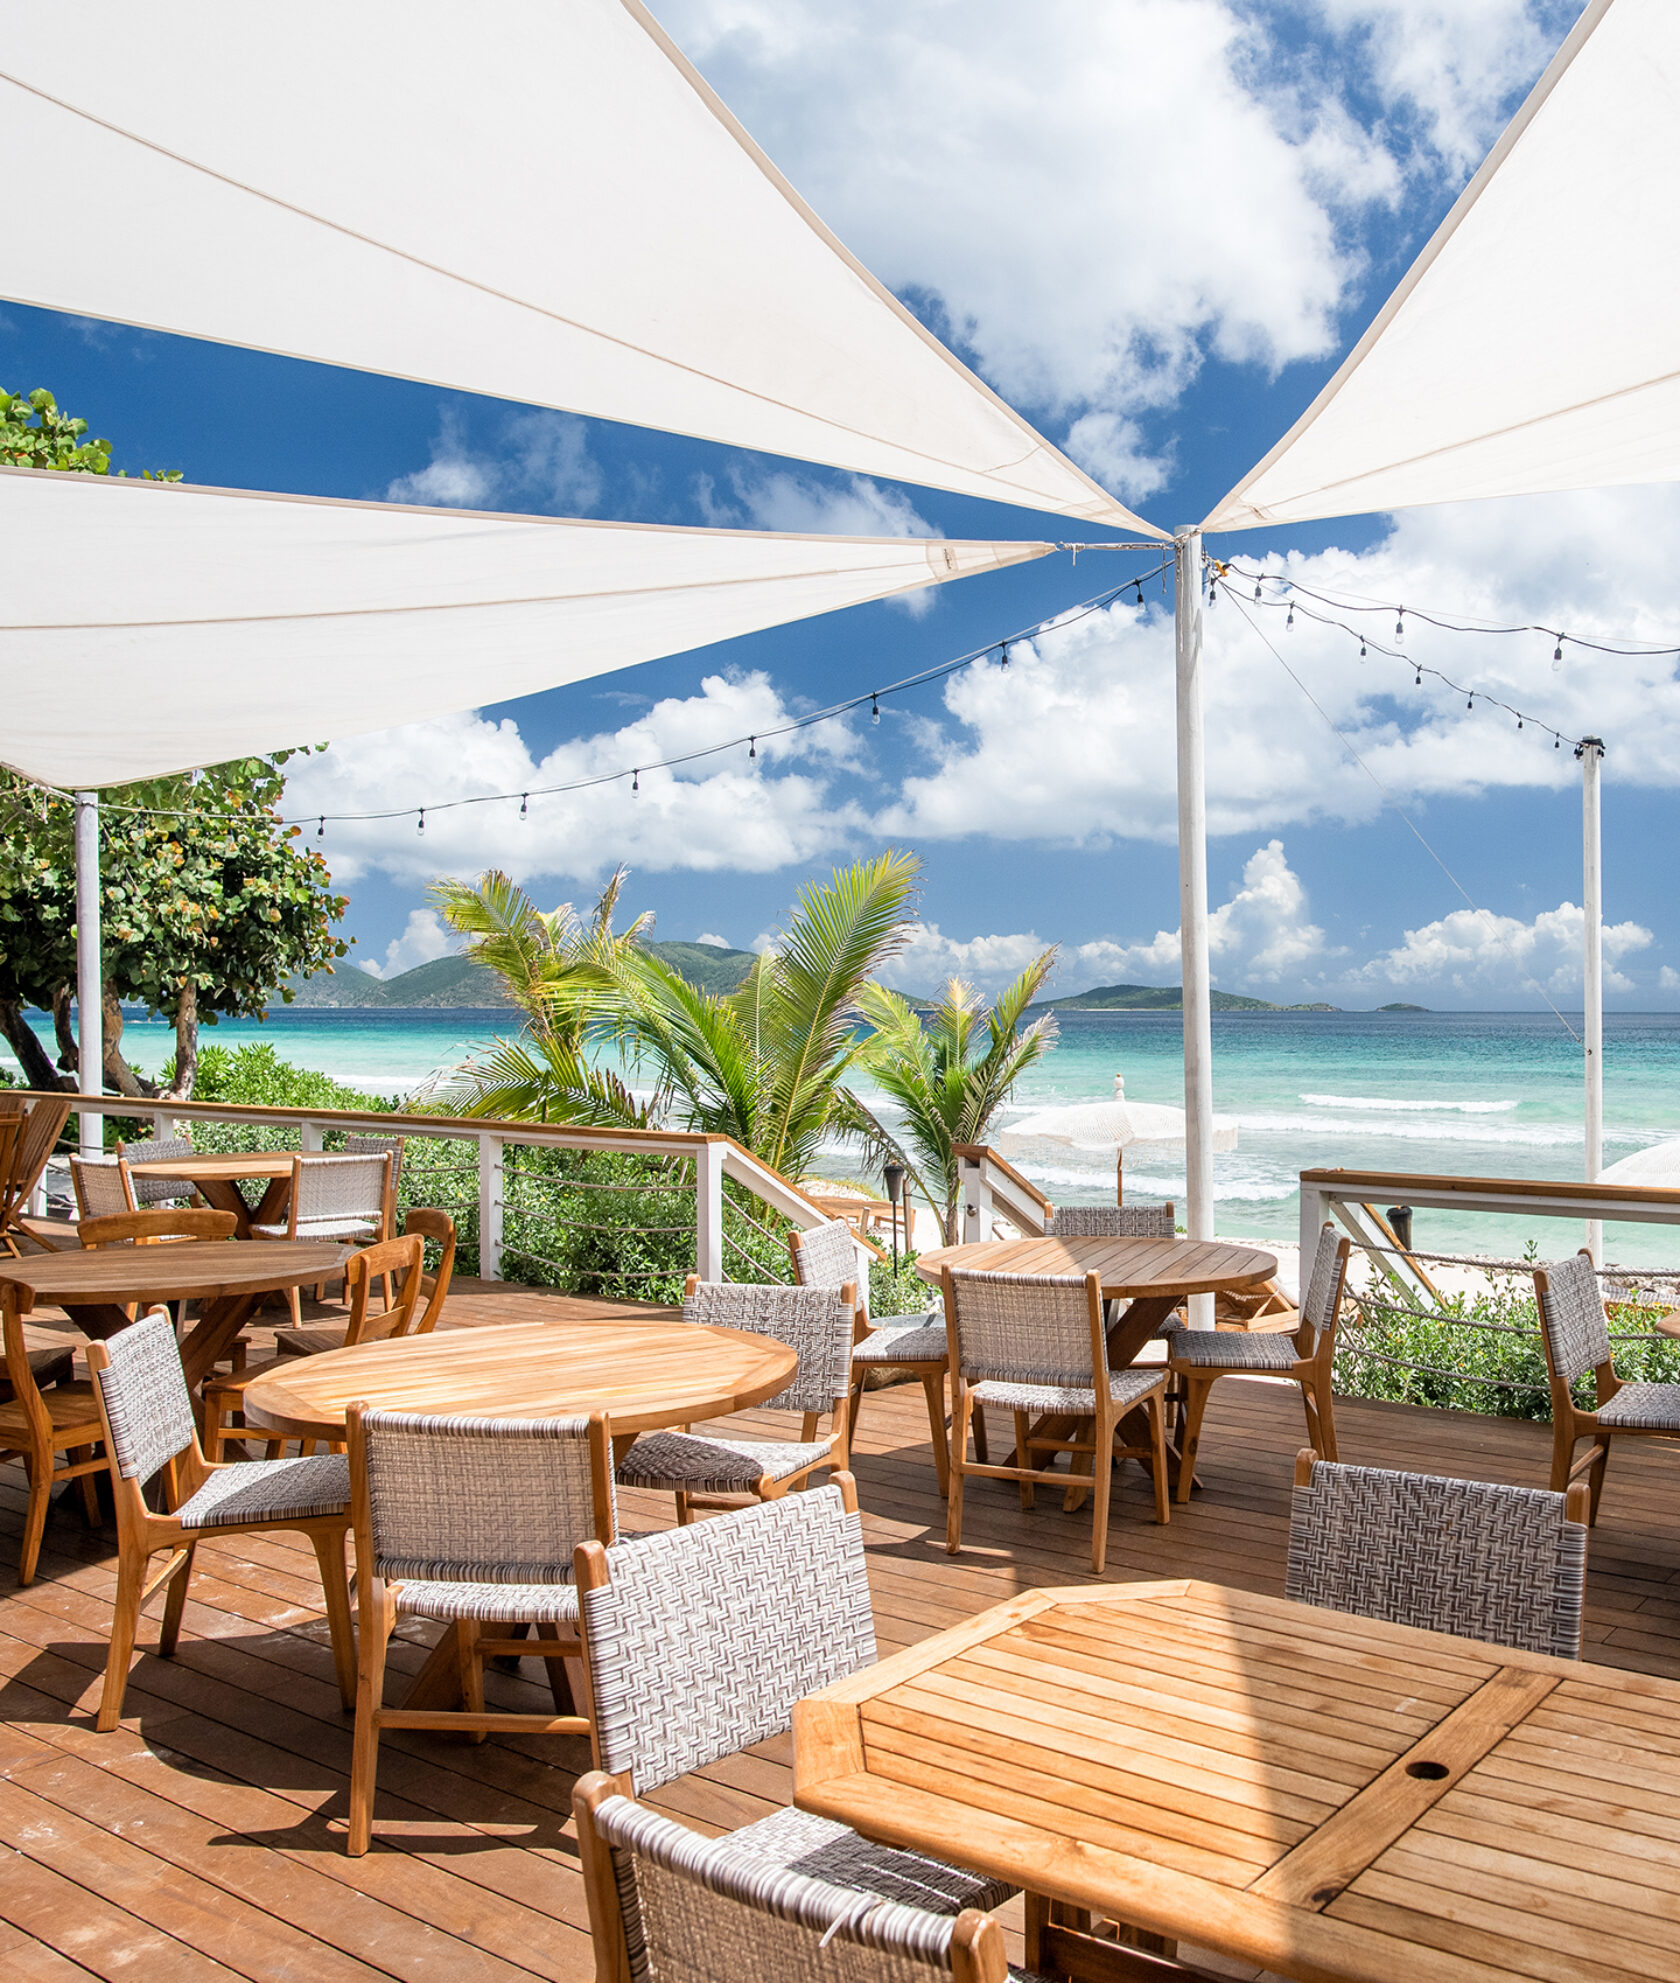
708, 1211
490, 1207
309, 1136
1314, 1211
976, 1201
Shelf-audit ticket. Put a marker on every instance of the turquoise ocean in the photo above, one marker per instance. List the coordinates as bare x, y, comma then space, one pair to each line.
1480, 1094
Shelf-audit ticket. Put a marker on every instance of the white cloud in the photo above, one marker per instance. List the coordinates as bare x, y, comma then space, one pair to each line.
720, 942
424, 939
1475, 951
725, 813
1668, 979
1260, 935
539, 460
1085, 197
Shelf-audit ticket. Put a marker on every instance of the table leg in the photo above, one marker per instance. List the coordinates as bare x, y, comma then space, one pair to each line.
214, 1334
223, 1195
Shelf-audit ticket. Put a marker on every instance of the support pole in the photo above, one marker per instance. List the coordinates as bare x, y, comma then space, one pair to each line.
1192, 905
1591, 754
90, 981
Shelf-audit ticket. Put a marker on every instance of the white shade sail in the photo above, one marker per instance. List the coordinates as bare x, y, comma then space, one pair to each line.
148, 627
1535, 343
538, 201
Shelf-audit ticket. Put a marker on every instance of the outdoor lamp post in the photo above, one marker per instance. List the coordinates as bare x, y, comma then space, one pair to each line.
893, 1174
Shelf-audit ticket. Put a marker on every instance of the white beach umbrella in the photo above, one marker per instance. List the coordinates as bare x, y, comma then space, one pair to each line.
1111, 1125
1658, 1166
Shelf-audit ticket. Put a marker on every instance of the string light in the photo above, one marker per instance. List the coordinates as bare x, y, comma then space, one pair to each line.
420, 823
874, 709
1140, 591
524, 805
1557, 656
1003, 654
1289, 624
321, 830
752, 751
1257, 590
1400, 624
1362, 647
635, 781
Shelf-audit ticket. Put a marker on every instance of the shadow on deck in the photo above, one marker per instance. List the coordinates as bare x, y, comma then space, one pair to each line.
202, 1840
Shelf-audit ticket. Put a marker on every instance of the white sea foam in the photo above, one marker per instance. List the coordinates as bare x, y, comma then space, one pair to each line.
1417, 1106
1539, 1135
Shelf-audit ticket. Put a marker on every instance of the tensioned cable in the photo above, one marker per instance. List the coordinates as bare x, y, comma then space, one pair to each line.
1390, 800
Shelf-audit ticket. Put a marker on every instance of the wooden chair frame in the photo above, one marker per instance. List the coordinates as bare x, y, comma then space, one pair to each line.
1103, 1447
1313, 1372
38, 1425
928, 1373
977, 1945
142, 1534
1570, 1424
157, 1225
38, 1137
376, 1604
838, 1456
413, 1320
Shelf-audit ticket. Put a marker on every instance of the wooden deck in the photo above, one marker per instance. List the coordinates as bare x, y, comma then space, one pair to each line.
202, 1840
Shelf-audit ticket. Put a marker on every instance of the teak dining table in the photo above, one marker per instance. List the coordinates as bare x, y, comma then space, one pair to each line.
1331, 1798
229, 1277
643, 1374
217, 1177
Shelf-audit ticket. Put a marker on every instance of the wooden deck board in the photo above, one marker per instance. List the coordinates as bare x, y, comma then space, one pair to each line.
202, 1840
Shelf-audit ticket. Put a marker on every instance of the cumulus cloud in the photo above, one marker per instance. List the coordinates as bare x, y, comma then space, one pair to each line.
718, 942
423, 940
537, 461
931, 957
1475, 951
1147, 167
728, 813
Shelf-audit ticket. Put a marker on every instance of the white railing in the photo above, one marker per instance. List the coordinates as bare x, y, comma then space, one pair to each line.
714, 1158
994, 1188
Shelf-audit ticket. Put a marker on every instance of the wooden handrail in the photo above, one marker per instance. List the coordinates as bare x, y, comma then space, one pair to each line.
1401, 1184
984, 1153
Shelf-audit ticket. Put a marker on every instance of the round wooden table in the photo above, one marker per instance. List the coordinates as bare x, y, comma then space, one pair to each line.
642, 1374
228, 1277
216, 1179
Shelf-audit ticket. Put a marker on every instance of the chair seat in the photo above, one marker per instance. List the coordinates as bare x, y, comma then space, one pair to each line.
1222, 1349
823, 1850
548, 1604
1125, 1387
316, 1337
269, 1491
915, 1340
685, 1462
321, 1229
1643, 1408
46, 1366
71, 1408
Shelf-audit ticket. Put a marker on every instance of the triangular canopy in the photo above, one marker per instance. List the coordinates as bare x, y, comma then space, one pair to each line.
147, 627
539, 201
1535, 343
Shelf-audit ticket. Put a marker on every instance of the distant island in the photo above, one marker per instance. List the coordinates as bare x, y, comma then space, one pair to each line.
1401, 1006
1163, 998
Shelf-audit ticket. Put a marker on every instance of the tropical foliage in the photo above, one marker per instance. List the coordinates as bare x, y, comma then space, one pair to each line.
949, 1071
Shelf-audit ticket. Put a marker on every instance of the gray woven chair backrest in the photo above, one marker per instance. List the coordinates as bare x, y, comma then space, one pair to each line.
1023, 1328
341, 1188
697, 1910
144, 1393
98, 1184
1572, 1315
1464, 1556
814, 1321
477, 1500
161, 1149
1323, 1298
707, 1635
1110, 1222
827, 1257
378, 1146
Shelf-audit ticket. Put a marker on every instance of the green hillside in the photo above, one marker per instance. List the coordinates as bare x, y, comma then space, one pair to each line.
1163, 998
706, 965
452, 981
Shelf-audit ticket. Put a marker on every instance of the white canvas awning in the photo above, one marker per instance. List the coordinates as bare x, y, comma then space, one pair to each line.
148, 627
1535, 343
539, 201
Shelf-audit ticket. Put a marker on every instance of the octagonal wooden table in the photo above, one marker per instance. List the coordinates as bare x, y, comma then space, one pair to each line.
216, 1178
228, 1276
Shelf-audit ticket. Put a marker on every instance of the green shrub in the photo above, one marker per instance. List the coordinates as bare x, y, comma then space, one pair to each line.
898, 1294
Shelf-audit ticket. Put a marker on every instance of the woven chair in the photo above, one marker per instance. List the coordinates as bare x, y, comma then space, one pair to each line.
223, 1398
103, 1187
332, 1198
158, 1190
700, 1640
1037, 1344
1576, 1333
1198, 1358
383, 1146
826, 1256
416, 1318
705, 1471
665, 1902
38, 1426
1505, 1564
21, 1165
1111, 1222
147, 1424
472, 1521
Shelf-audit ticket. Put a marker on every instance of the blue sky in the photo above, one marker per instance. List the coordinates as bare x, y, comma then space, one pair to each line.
1155, 227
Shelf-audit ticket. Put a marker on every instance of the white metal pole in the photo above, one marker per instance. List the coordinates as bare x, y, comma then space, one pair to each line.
90, 986
1592, 904
1192, 905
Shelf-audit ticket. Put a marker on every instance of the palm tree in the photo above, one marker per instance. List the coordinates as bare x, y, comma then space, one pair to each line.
951, 1073
559, 971
767, 1064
